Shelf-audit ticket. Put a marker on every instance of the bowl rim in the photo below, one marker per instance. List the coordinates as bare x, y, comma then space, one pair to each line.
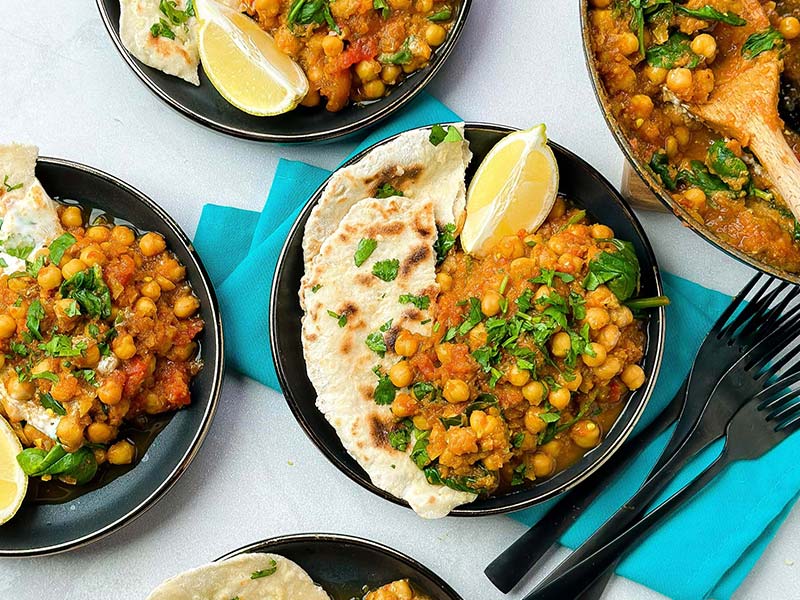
267, 544
641, 170
466, 510
391, 105
211, 408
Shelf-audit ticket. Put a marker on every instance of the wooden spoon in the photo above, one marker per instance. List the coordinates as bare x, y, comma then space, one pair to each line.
744, 105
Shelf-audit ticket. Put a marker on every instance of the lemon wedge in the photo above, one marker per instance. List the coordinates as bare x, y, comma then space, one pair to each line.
13, 481
514, 188
244, 63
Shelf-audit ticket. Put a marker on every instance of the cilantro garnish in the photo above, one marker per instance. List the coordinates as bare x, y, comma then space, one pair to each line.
376, 343
34, 318
421, 302
386, 269
439, 135
364, 250
270, 570
387, 191
59, 246
445, 242
385, 391
9, 187
341, 319
162, 29
402, 57
383, 7
443, 14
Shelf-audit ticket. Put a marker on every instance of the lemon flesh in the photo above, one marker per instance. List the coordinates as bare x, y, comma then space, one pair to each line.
245, 65
514, 188
13, 481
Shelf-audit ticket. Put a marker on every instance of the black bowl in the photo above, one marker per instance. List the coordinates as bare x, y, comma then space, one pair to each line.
342, 565
587, 188
39, 528
206, 106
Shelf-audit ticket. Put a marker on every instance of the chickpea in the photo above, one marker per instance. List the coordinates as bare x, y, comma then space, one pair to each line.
477, 336
152, 243
110, 392
445, 281
622, 316
145, 307
559, 399
543, 464
705, 45
455, 390
374, 89
65, 388
671, 146
401, 374
628, 43
312, 98
609, 368
435, 35
121, 453
682, 134
597, 317
560, 344
70, 432
406, 344
695, 197
332, 45
532, 421
601, 232
98, 233
404, 406
444, 352
511, 247
533, 392
608, 337
2, 360
182, 351
123, 235
571, 384
522, 268
269, 8
542, 292
789, 27
517, 376
49, 277
569, 263
601, 3
92, 255
7, 326
490, 304
656, 75
164, 283
367, 70
124, 347
552, 448
72, 217
90, 358
390, 74
73, 267
100, 433
633, 377
421, 422
641, 106
679, 80
151, 290
20, 390
599, 355
186, 306
424, 6
585, 433
172, 270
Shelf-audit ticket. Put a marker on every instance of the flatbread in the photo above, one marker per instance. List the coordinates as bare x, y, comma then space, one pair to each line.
179, 57
411, 164
339, 363
17, 166
232, 578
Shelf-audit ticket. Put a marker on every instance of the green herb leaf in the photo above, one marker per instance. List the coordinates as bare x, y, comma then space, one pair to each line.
675, 52
636, 23
762, 41
376, 343
387, 190
419, 453
439, 135
316, 288
645, 303
699, 176
400, 436
162, 29
548, 275
709, 13
61, 346
518, 439
19, 246
9, 187
34, 318
18, 348
444, 14
549, 417
59, 246
421, 389
341, 319
47, 401
402, 57
88, 375
421, 302
48, 375
659, 163
445, 242
270, 570
460, 483
383, 7
722, 162
619, 270
307, 12
175, 15
366, 246
73, 310
385, 391
518, 476
386, 270
90, 291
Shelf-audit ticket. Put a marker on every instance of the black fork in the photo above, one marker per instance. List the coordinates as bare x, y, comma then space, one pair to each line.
760, 425
767, 367
756, 309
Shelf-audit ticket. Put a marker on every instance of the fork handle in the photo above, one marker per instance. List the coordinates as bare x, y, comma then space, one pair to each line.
508, 569
574, 581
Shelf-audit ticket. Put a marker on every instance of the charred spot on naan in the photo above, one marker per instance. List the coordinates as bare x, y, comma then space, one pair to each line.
379, 431
365, 279
417, 256
400, 178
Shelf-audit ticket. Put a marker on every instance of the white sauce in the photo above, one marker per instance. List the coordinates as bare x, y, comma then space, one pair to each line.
31, 412
107, 365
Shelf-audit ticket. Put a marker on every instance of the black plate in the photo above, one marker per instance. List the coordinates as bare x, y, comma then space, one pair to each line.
587, 188
48, 528
205, 105
342, 565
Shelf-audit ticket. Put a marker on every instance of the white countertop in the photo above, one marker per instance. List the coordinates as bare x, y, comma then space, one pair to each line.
66, 89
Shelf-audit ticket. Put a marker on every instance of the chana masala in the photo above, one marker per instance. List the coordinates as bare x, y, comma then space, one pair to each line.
97, 332
397, 590
355, 50
651, 56
532, 353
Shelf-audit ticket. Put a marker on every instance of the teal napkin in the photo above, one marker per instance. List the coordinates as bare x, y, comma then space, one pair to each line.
706, 549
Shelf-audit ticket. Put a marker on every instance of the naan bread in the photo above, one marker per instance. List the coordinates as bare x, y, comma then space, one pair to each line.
232, 579
179, 57
412, 165
17, 166
339, 363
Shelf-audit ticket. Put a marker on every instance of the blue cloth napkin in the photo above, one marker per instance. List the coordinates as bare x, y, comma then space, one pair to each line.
706, 549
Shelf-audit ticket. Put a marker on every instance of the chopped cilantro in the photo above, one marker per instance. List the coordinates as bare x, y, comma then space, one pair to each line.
387, 191
341, 319
9, 187
162, 29
445, 242
48, 375
385, 391
383, 7
386, 269
270, 570
376, 343
439, 135
34, 318
421, 302
316, 288
444, 14
365, 248
402, 57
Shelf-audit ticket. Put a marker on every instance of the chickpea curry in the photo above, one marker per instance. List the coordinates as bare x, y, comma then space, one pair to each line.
355, 50
653, 55
98, 331
533, 351
397, 590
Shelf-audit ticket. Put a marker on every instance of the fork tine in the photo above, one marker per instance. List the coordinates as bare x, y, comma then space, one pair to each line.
783, 412
787, 428
763, 297
779, 400
736, 303
772, 345
784, 382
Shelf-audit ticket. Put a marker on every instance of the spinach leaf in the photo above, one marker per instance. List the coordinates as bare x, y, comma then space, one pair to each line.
618, 270
307, 12
365, 248
386, 270
721, 161
636, 23
33, 268
659, 163
675, 52
59, 246
762, 41
48, 375
35, 461
518, 476
79, 465
402, 57
47, 401
445, 242
419, 453
699, 176
460, 483
34, 318
709, 13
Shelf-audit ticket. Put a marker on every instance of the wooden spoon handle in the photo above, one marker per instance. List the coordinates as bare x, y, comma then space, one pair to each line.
777, 157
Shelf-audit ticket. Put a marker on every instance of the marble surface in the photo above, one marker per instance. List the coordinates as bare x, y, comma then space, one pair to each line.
66, 89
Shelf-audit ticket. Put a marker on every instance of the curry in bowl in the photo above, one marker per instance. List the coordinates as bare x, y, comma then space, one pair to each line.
660, 63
